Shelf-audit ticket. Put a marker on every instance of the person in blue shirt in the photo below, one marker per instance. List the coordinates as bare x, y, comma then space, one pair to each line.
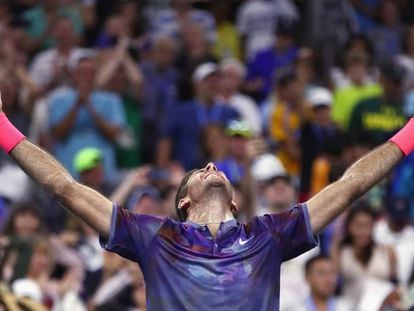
82, 116
206, 260
184, 122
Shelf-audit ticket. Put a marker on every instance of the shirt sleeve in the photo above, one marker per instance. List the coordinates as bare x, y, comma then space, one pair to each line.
292, 230
131, 234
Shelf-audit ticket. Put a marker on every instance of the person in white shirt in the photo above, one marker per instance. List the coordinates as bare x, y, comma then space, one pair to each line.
233, 73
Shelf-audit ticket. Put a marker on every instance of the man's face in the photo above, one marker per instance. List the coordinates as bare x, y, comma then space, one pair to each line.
279, 194
322, 278
208, 87
208, 180
84, 74
63, 31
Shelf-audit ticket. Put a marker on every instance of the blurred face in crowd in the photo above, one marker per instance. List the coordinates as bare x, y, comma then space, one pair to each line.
207, 88
164, 52
84, 74
195, 42
63, 31
181, 4
279, 193
322, 115
25, 224
357, 72
389, 12
41, 260
93, 177
391, 89
237, 146
321, 278
231, 78
360, 229
292, 92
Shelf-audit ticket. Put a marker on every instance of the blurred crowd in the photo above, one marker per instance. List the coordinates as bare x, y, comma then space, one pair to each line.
281, 95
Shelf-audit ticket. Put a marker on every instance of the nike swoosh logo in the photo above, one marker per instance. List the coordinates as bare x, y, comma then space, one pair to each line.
242, 242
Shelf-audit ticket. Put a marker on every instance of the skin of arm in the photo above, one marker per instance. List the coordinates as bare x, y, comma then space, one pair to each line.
358, 179
61, 130
109, 130
89, 205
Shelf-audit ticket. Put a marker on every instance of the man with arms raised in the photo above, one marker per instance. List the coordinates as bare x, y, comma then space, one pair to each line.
207, 260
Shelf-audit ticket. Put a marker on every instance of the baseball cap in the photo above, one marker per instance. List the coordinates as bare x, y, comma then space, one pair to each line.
238, 128
87, 158
266, 167
204, 70
320, 96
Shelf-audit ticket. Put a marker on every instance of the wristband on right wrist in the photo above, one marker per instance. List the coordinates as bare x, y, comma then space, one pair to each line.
9, 135
404, 138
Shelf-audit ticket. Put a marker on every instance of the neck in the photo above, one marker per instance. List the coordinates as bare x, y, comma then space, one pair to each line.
321, 303
210, 211
205, 100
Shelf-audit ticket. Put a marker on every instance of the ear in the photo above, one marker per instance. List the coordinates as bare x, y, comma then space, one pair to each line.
233, 207
184, 203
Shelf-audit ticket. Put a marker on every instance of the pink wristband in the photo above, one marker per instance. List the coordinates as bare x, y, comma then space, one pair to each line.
404, 138
9, 135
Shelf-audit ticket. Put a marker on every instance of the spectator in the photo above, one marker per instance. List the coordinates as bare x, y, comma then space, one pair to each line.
379, 117
357, 89
233, 73
41, 22
257, 21
387, 35
24, 225
159, 90
239, 141
359, 258
174, 20
195, 50
366, 13
315, 134
396, 230
286, 118
267, 63
406, 58
332, 23
120, 74
228, 43
50, 68
81, 116
275, 189
322, 279
180, 139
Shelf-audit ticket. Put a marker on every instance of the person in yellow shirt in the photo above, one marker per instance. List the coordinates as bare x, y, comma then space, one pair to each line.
286, 118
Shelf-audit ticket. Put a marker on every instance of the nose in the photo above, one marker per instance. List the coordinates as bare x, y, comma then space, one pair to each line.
211, 167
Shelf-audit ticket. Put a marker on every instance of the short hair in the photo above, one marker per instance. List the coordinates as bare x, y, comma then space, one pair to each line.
310, 262
182, 193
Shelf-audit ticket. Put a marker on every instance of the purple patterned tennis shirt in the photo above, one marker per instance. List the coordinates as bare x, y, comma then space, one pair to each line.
185, 268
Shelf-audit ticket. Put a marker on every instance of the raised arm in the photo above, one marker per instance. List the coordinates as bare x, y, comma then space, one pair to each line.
86, 203
359, 178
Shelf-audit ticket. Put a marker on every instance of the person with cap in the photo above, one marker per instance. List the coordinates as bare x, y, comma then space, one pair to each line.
381, 116
395, 230
88, 163
207, 260
275, 190
183, 124
82, 116
315, 133
233, 73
